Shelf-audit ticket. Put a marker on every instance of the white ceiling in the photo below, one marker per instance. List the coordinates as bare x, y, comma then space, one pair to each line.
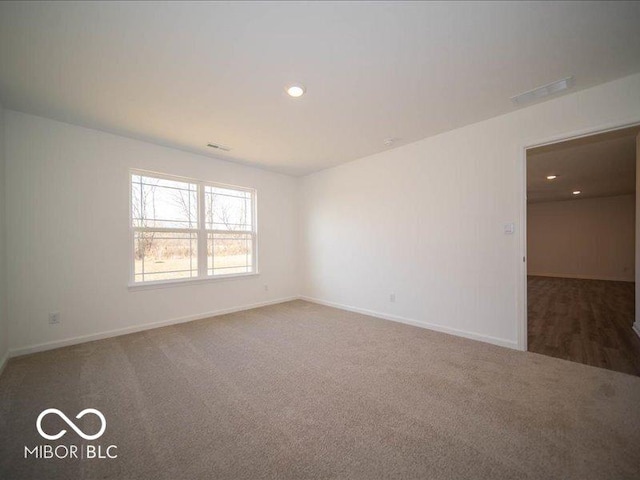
183, 74
602, 165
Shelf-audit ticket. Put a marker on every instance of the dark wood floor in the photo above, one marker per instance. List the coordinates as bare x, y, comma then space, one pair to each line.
586, 321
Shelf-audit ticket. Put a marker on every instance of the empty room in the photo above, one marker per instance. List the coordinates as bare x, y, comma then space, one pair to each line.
581, 249
296, 240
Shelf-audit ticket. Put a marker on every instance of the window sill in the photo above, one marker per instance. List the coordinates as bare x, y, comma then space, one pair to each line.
134, 287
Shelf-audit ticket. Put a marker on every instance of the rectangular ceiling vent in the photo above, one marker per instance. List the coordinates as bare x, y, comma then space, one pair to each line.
217, 146
543, 91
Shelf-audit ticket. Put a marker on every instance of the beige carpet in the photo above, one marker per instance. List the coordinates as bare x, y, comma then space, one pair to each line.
299, 390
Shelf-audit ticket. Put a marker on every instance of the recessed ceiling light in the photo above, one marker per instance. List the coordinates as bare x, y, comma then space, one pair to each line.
576, 192
296, 90
551, 177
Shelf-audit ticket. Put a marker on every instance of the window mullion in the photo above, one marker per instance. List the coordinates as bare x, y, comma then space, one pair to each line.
254, 252
164, 230
202, 234
254, 233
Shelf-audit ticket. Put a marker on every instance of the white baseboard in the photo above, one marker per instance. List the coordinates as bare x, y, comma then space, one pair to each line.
580, 277
636, 328
40, 347
149, 326
3, 361
502, 342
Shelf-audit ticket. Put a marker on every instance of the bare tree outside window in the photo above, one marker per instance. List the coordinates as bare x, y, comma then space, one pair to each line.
229, 246
165, 236
168, 228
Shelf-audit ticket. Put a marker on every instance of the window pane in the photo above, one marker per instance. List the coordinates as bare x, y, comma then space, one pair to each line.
159, 203
229, 253
227, 209
165, 256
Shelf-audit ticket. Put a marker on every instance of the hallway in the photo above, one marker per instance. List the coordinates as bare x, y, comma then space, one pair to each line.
585, 321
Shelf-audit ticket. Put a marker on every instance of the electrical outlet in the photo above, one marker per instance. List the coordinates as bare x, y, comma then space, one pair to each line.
54, 318
392, 298
266, 287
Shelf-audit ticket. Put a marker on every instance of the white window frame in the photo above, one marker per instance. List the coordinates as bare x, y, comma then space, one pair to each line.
202, 233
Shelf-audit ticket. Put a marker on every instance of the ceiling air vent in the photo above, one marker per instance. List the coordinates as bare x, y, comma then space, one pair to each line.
543, 91
217, 146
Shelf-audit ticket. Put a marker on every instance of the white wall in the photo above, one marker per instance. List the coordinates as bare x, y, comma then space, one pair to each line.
590, 238
636, 325
68, 233
4, 325
425, 221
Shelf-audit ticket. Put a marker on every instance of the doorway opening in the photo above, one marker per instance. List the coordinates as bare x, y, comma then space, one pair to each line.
581, 249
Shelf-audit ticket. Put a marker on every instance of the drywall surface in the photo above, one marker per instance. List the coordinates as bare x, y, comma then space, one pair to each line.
636, 325
590, 238
69, 242
426, 221
4, 325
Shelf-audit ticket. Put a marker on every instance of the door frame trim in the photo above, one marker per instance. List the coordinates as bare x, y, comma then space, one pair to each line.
521, 330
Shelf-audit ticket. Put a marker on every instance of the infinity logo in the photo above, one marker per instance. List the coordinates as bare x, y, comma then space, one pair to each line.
71, 424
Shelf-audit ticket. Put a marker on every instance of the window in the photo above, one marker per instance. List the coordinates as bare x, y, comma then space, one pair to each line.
185, 229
